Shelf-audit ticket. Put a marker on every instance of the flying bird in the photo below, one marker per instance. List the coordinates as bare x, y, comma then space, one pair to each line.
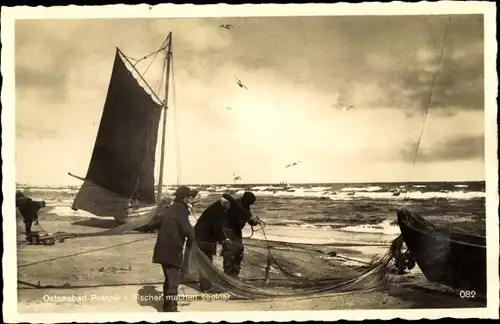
241, 84
293, 164
227, 26
346, 108
236, 177
228, 108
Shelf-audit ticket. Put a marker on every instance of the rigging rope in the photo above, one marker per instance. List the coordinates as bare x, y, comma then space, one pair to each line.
162, 47
429, 103
150, 119
84, 252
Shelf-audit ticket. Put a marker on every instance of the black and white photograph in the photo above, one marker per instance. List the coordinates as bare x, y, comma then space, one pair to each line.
210, 161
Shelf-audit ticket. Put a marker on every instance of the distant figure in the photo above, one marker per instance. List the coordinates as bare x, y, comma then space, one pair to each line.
174, 230
226, 26
402, 260
29, 209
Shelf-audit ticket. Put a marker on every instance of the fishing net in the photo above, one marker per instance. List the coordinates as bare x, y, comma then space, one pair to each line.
371, 277
281, 278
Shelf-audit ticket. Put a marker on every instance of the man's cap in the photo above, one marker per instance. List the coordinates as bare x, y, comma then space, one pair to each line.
183, 191
248, 198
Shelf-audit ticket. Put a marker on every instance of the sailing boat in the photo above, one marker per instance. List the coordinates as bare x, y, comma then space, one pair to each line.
120, 177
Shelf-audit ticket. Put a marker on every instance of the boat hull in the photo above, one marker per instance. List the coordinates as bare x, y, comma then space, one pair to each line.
453, 259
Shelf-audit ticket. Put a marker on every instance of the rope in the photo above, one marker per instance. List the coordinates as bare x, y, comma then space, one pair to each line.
272, 259
150, 119
162, 47
441, 58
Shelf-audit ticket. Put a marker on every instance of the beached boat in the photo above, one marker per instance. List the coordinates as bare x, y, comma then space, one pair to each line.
450, 258
120, 180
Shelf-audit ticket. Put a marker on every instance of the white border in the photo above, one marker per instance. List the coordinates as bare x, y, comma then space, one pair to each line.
10, 14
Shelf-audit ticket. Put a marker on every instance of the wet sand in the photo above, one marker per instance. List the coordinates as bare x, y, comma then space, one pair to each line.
130, 281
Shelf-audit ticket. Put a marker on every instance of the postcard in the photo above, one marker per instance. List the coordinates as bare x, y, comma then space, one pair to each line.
250, 162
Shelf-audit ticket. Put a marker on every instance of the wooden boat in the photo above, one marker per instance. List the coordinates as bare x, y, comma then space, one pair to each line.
454, 259
120, 177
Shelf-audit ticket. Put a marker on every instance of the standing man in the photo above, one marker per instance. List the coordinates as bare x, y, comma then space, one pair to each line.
174, 228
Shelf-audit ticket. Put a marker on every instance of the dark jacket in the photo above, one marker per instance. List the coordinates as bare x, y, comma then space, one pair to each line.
237, 217
216, 224
208, 227
28, 207
174, 229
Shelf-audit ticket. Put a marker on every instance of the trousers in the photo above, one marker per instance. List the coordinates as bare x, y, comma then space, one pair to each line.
232, 256
27, 225
170, 287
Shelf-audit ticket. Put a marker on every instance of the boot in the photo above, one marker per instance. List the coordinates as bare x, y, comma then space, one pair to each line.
205, 285
170, 305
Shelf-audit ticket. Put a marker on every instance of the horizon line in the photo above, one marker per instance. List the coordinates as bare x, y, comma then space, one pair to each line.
271, 183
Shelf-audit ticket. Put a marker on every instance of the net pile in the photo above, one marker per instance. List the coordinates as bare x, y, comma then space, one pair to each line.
373, 277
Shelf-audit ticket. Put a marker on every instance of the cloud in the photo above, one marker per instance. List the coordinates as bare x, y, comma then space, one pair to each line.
457, 149
296, 68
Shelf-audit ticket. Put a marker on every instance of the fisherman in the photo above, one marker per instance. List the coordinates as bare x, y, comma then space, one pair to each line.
237, 216
165, 202
29, 209
208, 232
174, 228
222, 220
402, 260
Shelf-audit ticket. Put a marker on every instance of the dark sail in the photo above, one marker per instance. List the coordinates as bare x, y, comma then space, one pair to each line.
123, 159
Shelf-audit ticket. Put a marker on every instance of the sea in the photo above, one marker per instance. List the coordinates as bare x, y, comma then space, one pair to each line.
355, 208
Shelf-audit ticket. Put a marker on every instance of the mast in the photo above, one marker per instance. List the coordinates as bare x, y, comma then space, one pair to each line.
164, 123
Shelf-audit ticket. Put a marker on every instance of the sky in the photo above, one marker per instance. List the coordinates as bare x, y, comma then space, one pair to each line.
296, 69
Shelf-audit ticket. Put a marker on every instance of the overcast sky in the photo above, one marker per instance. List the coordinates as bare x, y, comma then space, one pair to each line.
296, 70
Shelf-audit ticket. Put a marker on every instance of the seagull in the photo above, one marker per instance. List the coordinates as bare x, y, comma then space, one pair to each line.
346, 108
241, 84
227, 26
228, 108
236, 177
293, 164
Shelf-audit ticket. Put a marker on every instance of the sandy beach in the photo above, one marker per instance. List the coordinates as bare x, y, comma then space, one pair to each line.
123, 278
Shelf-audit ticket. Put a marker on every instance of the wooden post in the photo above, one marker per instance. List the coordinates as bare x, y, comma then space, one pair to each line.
164, 124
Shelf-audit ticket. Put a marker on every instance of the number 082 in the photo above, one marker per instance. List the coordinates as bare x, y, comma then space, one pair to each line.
467, 294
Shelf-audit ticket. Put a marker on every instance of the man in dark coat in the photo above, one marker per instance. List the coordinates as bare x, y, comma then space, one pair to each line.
208, 231
29, 209
153, 224
239, 215
173, 230
222, 222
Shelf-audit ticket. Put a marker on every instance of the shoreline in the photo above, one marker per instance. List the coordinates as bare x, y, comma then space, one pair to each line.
127, 270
